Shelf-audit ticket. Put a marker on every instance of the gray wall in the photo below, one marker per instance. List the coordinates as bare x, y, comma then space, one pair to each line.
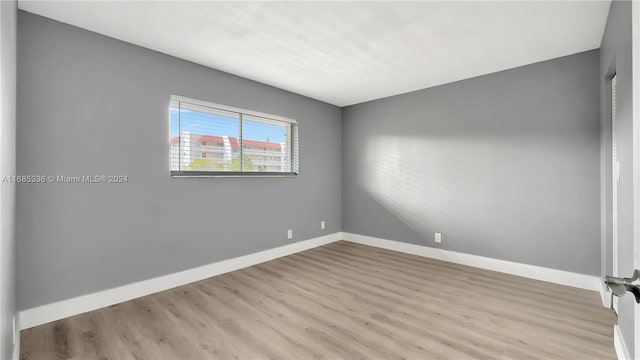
504, 165
8, 23
615, 57
88, 104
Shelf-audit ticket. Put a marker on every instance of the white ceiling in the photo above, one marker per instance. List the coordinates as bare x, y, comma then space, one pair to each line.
346, 52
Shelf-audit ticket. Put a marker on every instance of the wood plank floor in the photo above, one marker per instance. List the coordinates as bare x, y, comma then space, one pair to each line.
341, 301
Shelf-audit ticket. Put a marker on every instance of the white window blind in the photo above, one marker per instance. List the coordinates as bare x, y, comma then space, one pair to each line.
210, 139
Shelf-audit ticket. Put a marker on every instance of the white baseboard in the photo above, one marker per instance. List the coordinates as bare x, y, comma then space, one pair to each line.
582, 281
605, 295
618, 343
16, 349
16, 346
74, 306
81, 304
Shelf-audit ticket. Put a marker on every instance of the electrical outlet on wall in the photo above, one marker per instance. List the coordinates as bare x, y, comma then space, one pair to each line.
322, 225
289, 234
438, 238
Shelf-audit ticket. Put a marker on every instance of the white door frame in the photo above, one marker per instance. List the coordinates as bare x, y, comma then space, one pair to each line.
615, 179
2, 320
635, 58
635, 92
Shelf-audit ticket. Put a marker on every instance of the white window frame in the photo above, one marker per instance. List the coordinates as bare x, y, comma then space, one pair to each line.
294, 156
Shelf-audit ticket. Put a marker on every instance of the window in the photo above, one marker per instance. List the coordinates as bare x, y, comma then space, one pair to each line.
209, 139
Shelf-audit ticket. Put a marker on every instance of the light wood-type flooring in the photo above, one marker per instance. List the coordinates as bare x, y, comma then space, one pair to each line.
341, 301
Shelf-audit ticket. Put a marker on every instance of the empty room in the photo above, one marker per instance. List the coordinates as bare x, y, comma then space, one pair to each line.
319, 180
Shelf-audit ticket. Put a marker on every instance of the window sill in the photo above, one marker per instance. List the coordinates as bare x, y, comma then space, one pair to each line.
207, 174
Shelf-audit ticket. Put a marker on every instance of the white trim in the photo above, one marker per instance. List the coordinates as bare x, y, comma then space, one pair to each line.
615, 181
69, 307
582, 281
605, 295
16, 346
619, 345
230, 108
615, 172
635, 95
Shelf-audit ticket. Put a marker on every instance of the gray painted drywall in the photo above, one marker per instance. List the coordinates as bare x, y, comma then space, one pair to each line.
8, 24
89, 104
615, 57
504, 165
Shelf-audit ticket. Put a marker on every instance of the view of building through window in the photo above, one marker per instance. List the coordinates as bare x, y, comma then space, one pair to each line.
207, 139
